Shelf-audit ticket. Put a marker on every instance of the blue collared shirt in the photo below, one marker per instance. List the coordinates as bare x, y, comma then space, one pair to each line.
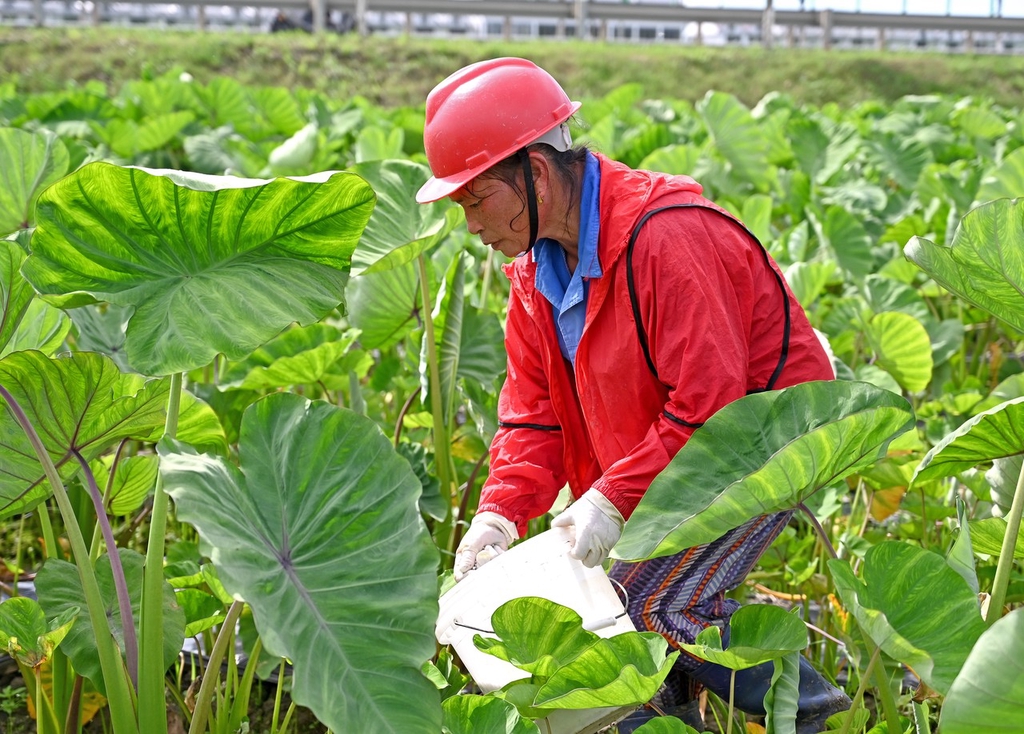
567, 291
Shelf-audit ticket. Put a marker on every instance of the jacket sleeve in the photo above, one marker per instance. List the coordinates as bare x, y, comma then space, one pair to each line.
713, 314
526, 455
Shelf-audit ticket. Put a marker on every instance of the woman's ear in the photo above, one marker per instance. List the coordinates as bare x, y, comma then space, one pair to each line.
540, 166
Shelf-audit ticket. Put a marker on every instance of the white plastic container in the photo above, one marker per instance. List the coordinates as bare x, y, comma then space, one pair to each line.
540, 566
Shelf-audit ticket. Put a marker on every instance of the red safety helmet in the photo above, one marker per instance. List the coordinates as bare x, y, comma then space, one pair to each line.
484, 113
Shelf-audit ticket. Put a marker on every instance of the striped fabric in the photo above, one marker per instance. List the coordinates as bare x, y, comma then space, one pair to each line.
678, 596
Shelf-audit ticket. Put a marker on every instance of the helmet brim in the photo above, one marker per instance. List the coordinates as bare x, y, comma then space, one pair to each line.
436, 188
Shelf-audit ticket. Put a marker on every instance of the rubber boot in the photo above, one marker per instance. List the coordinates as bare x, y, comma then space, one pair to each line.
688, 713
818, 699
677, 698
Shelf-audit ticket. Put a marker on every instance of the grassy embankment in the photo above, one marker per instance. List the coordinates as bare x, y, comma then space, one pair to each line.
400, 71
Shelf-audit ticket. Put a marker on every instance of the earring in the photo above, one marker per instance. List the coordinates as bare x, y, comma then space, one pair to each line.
540, 199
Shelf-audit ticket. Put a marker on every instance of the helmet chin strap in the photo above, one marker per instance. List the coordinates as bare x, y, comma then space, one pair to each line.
531, 196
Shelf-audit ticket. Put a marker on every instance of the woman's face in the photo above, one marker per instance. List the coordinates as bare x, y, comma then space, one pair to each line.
495, 211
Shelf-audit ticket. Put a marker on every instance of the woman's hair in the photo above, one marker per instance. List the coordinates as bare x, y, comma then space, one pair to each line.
567, 166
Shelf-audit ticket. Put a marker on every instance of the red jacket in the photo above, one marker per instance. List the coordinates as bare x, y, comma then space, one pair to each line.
713, 315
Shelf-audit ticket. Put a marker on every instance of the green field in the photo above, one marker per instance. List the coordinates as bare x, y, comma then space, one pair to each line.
236, 356
400, 71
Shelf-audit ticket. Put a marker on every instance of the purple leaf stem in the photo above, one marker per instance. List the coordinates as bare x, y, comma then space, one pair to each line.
124, 603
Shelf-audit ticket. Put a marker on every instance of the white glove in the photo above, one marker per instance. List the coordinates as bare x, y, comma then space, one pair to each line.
596, 524
488, 536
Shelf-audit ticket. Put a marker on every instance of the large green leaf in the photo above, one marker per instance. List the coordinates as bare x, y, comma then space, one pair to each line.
757, 633
60, 590
299, 356
375, 142
128, 138
294, 155
25, 634
960, 556
984, 262
319, 531
993, 434
987, 537
29, 162
978, 122
899, 159
448, 329
762, 453
384, 306
844, 142
573, 668
134, 479
482, 353
915, 607
1005, 180
15, 292
807, 280
42, 328
469, 714
988, 694
851, 243
674, 159
809, 145
100, 328
211, 264
81, 403
666, 725
902, 348
782, 701
256, 113
398, 230
886, 294
737, 136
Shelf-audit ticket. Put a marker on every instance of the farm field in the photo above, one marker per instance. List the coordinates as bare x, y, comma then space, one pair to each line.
235, 350
395, 72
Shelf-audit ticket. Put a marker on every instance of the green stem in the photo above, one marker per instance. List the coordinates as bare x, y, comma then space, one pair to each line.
277, 697
732, 698
441, 443
49, 540
820, 530
288, 718
858, 698
17, 554
485, 285
921, 723
46, 717
1005, 565
152, 708
210, 680
71, 723
978, 361
924, 521
122, 712
889, 708
124, 602
963, 345
94, 547
240, 706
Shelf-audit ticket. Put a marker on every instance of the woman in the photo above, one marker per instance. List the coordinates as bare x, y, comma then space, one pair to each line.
637, 309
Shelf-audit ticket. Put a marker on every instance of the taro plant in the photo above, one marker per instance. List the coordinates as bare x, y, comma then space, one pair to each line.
983, 264
30, 639
764, 453
208, 265
154, 269
569, 669
760, 633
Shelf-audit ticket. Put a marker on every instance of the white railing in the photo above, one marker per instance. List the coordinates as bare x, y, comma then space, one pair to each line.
581, 18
